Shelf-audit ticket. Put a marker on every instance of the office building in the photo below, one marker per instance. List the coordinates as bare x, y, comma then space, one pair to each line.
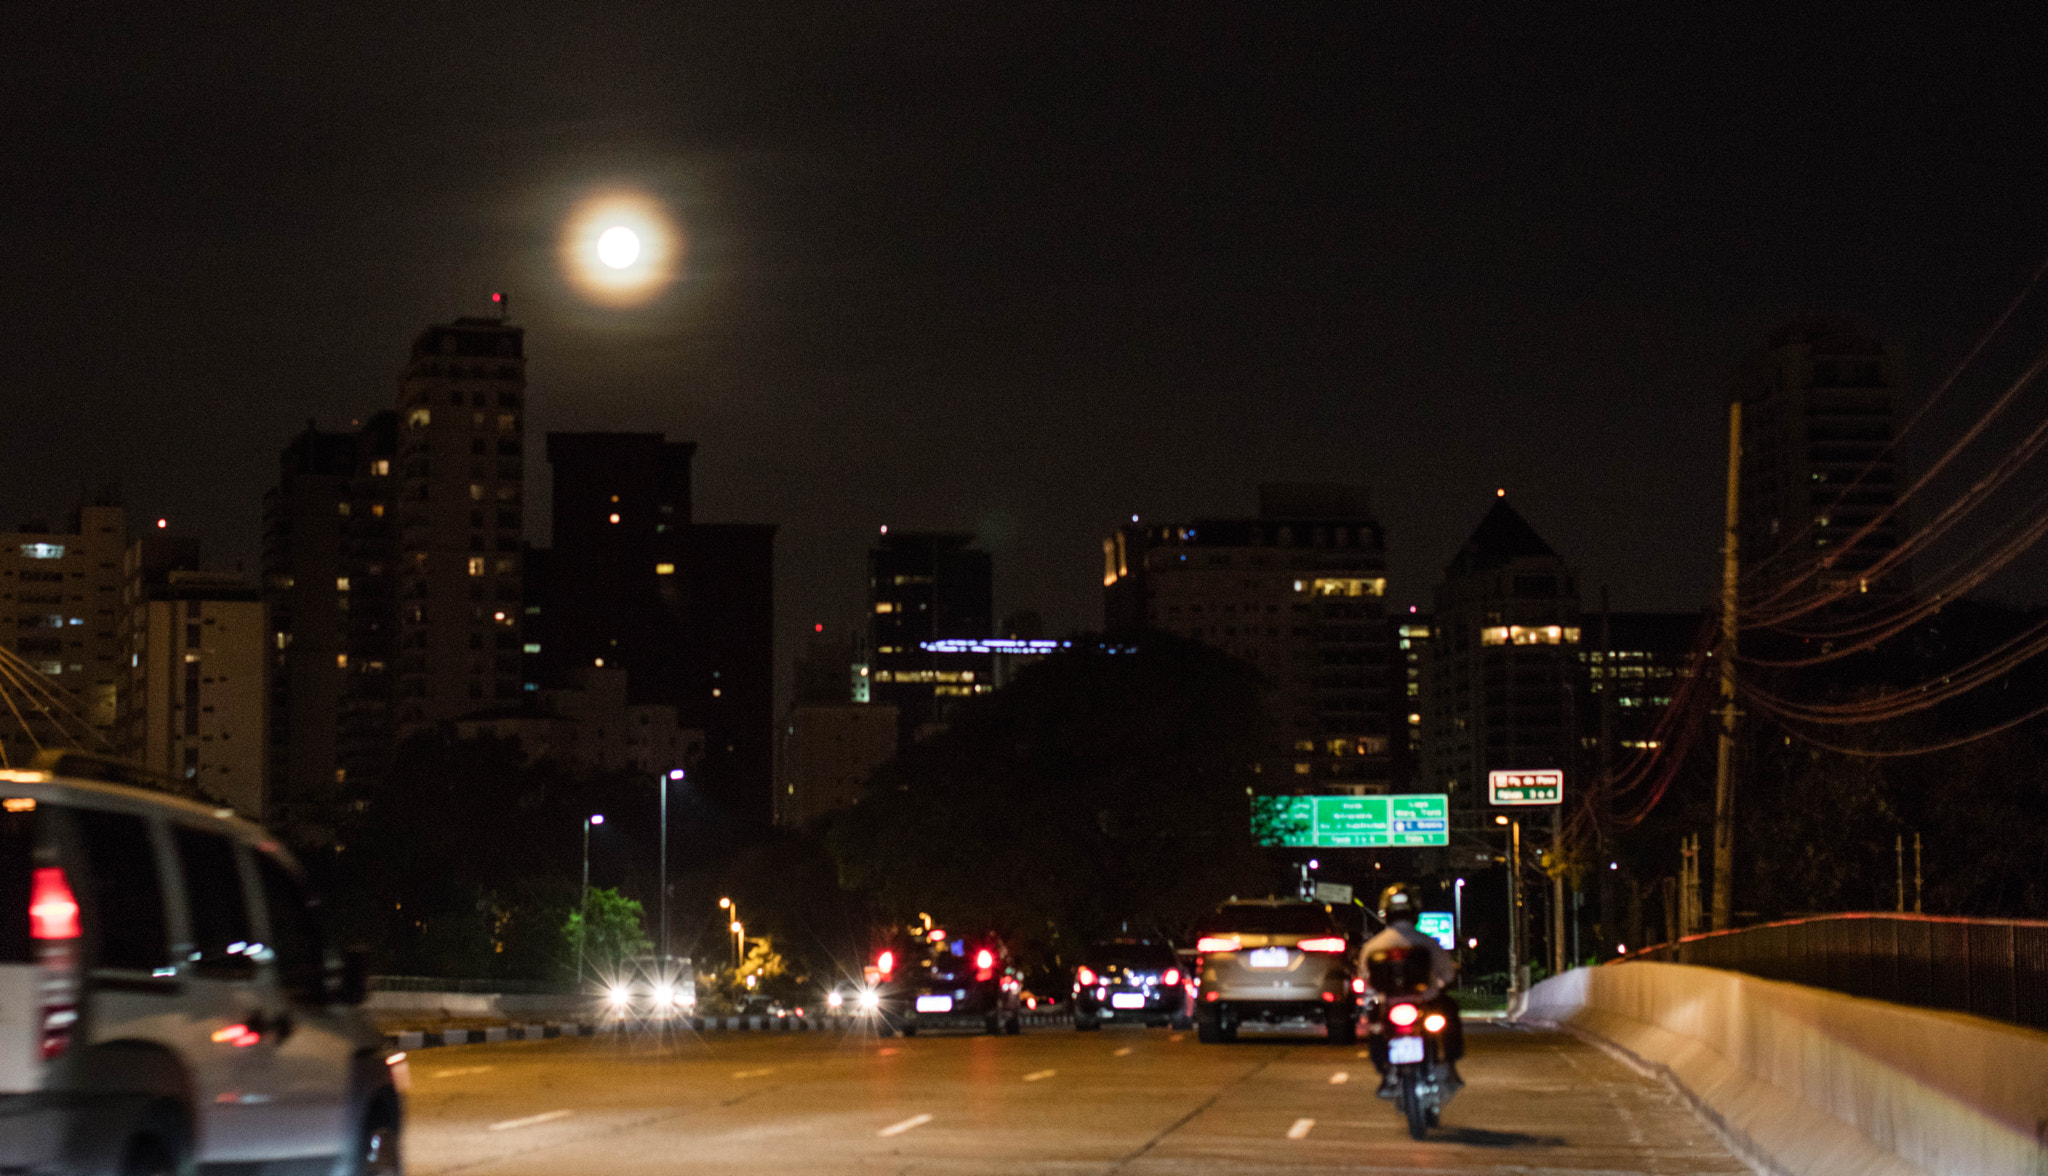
460, 504
926, 586
592, 728
685, 608
1503, 661
1633, 663
60, 611
329, 583
1818, 465
829, 743
195, 700
1298, 591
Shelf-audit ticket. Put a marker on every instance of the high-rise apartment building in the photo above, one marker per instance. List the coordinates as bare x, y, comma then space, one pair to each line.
1298, 591
926, 586
60, 611
828, 744
1818, 465
685, 608
460, 503
194, 704
329, 554
1503, 661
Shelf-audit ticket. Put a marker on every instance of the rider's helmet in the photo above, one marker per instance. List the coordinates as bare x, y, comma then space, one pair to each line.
1399, 904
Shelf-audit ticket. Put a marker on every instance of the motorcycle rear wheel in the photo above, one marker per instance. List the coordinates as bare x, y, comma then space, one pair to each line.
1412, 1108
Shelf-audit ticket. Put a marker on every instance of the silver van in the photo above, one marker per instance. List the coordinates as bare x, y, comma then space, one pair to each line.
168, 1002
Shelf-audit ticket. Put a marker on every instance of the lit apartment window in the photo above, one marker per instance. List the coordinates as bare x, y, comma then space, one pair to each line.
883, 606
530, 647
1529, 635
343, 508
476, 492
664, 569
341, 583
43, 550
377, 509
380, 468
419, 418
1350, 586
341, 661
476, 565
613, 517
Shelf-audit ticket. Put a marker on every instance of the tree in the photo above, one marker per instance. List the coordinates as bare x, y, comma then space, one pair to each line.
607, 931
1098, 790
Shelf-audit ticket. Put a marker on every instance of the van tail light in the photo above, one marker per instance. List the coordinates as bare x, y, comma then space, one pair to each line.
1403, 1015
984, 959
885, 963
1084, 975
53, 924
1327, 944
1217, 943
1171, 978
1358, 985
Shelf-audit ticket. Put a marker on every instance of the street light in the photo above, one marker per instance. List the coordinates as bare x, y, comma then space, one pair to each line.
583, 900
663, 783
738, 931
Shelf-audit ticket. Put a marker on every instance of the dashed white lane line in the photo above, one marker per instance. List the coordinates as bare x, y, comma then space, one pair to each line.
1039, 1075
459, 1071
1365, 1053
1122, 1053
760, 1073
905, 1125
530, 1121
1301, 1128
1340, 1077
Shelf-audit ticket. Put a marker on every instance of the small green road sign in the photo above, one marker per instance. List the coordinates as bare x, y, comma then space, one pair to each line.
1508, 788
1352, 822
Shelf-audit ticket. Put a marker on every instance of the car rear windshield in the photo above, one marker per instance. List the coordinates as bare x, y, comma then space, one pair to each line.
1131, 955
1295, 918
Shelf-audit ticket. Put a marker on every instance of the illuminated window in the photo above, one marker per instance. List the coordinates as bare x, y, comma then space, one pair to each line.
380, 468
341, 584
531, 647
419, 418
1349, 586
476, 492
883, 606
664, 569
43, 550
1529, 635
343, 508
1301, 769
341, 661
1414, 720
476, 565
506, 422
377, 509
613, 518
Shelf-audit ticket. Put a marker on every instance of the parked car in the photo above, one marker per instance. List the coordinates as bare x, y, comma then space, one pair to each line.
1279, 961
652, 988
934, 979
1136, 980
168, 998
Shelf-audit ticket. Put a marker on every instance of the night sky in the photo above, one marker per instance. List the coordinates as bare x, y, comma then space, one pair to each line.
1022, 269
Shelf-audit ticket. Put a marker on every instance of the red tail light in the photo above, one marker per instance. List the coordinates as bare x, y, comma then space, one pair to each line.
1217, 943
1325, 943
1358, 985
1172, 977
1084, 975
52, 908
1403, 1015
885, 963
984, 959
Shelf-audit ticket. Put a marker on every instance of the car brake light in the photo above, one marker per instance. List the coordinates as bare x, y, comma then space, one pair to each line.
1172, 977
885, 963
1217, 943
1324, 943
1358, 985
1434, 1022
1403, 1015
984, 959
52, 908
1084, 975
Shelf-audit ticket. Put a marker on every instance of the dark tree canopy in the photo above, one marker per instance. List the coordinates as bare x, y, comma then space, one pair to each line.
1096, 790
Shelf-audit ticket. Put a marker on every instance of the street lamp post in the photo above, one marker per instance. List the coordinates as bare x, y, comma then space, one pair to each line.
738, 929
673, 774
583, 899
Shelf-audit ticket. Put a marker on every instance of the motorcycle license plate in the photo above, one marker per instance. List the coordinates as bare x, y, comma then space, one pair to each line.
934, 1004
1268, 957
1403, 1050
1127, 1000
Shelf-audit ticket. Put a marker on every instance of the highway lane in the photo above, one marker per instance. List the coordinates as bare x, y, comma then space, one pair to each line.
1050, 1101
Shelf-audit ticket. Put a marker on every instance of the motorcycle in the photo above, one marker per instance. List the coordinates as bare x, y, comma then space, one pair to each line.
1415, 1054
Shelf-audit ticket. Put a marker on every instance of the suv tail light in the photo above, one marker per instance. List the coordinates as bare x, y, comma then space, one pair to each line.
1084, 975
885, 963
1217, 943
1171, 978
1323, 943
53, 924
984, 959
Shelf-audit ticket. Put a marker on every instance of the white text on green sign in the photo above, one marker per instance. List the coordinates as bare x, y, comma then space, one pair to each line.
1540, 787
1352, 822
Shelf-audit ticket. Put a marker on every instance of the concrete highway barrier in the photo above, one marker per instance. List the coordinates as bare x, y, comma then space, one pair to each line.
418, 1039
1815, 1083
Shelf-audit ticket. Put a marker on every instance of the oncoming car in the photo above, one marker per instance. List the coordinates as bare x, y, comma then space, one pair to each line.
1135, 980
651, 988
1279, 961
168, 999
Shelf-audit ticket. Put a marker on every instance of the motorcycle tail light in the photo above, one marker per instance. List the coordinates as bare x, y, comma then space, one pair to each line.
1434, 1022
1403, 1015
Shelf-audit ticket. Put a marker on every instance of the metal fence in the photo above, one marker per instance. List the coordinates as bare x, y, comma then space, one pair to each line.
1993, 968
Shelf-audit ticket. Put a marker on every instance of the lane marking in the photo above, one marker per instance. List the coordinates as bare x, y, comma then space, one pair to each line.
1122, 1053
1039, 1075
1365, 1053
459, 1071
1301, 1128
1340, 1078
760, 1073
529, 1121
905, 1125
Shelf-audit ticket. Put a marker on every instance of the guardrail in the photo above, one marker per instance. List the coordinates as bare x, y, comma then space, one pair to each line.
1996, 968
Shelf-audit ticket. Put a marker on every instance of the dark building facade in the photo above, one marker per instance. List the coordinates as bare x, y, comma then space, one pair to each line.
927, 586
1818, 409
685, 608
329, 528
1503, 662
1299, 592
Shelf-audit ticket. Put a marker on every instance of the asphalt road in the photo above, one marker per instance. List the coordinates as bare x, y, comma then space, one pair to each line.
1052, 1101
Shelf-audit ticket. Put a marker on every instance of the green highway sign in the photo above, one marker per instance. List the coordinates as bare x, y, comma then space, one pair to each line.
1352, 822
1540, 787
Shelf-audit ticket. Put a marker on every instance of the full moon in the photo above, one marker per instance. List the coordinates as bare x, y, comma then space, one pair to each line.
618, 247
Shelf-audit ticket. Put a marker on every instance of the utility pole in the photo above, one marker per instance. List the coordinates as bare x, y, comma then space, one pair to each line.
1899, 849
1916, 873
1724, 778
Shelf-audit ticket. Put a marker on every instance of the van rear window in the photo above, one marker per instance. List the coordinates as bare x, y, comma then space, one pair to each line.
17, 863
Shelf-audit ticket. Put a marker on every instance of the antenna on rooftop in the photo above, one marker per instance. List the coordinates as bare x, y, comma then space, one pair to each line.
501, 304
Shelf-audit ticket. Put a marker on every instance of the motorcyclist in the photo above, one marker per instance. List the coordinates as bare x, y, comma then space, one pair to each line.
1427, 987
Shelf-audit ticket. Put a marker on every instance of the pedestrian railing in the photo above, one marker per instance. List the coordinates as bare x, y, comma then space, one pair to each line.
1995, 968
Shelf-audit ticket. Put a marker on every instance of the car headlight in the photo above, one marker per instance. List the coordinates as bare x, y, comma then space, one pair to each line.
834, 1000
664, 995
870, 999
620, 995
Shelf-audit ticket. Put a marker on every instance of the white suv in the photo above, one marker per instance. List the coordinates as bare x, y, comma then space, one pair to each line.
167, 999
